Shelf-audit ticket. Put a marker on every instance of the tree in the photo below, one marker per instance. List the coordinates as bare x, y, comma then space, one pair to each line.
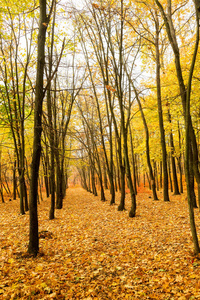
33, 246
160, 112
174, 173
152, 177
190, 138
16, 90
102, 52
50, 122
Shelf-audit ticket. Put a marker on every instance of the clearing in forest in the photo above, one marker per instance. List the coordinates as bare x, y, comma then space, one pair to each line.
92, 251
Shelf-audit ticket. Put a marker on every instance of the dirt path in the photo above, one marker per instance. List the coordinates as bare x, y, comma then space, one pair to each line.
92, 251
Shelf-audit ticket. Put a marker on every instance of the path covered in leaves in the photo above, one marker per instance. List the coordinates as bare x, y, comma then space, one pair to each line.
92, 251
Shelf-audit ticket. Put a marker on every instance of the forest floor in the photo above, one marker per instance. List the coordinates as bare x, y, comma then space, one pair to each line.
92, 251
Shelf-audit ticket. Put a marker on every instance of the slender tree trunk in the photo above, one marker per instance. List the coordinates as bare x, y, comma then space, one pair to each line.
25, 197
40, 186
133, 161
59, 198
137, 173
115, 179
180, 174
156, 176
180, 160
45, 170
105, 175
161, 179
187, 141
50, 125
103, 198
169, 174
94, 190
89, 180
121, 206
184, 93
191, 180
1, 186
149, 181
199, 196
174, 173
160, 115
100, 176
21, 188
14, 181
147, 147
33, 247
117, 169
84, 180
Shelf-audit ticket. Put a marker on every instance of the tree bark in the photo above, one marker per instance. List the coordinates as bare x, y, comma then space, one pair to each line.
33, 247
174, 173
160, 115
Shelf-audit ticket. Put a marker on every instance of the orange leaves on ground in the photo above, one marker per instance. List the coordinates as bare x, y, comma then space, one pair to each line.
92, 251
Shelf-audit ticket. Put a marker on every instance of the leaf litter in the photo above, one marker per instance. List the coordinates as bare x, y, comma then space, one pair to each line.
92, 251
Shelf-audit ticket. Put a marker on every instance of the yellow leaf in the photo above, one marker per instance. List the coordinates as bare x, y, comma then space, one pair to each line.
192, 275
43, 285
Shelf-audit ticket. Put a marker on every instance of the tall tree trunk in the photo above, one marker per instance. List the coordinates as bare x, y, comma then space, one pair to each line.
1, 186
156, 175
94, 190
45, 170
147, 145
21, 188
180, 160
199, 196
105, 175
50, 124
137, 171
174, 173
191, 172
33, 247
115, 179
149, 181
169, 175
14, 180
59, 199
132, 212
25, 197
89, 180
121, 206
161, 179
187, 140
133, 161
117, 168
160, 115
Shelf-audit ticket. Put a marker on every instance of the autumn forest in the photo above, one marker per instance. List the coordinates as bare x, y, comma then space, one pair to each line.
99, 149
